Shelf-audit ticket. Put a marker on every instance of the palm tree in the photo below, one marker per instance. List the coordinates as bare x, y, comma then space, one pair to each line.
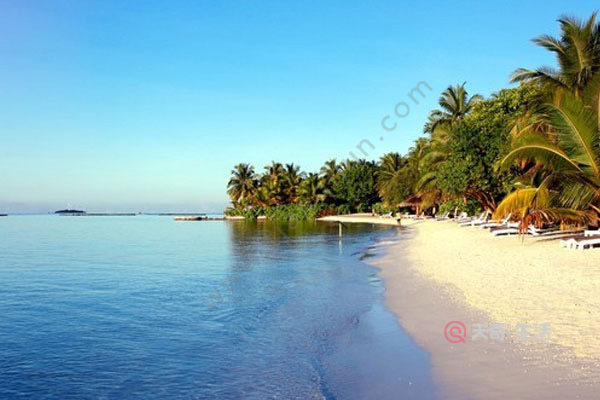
330, 169
243, 184
312, 189
455, 103
274, 171
390, 178
292, 178
565, 179
577, 53
329, 172
427, 158
272, 180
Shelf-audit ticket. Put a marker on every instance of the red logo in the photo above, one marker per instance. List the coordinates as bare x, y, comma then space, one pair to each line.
455, 332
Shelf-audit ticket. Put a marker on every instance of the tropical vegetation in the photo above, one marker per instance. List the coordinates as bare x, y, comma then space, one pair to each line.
531, 151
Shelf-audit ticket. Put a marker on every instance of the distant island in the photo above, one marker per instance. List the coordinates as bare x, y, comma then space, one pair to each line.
69, 212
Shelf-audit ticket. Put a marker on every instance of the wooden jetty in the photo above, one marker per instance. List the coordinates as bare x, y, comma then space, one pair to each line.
198, 218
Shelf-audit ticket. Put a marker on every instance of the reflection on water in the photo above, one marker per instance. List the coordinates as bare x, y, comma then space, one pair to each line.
145, 307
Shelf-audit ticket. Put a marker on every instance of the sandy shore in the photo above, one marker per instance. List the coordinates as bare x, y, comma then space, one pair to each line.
443, 273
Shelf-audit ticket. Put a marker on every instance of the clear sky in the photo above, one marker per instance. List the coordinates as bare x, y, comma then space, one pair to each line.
128, 106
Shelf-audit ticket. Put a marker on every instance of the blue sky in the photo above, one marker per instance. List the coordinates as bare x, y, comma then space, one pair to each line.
123, 105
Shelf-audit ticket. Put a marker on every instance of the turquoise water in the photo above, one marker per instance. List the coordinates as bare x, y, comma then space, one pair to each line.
145, 307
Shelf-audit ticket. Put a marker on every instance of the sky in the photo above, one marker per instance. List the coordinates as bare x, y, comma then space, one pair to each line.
147, 106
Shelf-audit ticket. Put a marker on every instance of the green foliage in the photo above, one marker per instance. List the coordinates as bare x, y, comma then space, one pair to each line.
471, 207
479, 142
344, 209
395, 179
247, 213
533, 151
294, 212
355, 186
381, 209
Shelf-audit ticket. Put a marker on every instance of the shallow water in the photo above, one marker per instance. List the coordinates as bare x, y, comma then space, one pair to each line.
144, 307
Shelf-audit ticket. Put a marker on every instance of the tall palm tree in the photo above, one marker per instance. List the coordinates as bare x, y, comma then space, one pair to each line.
292, 178
243, 184
329, 172
391, 179
577, 53
455, 103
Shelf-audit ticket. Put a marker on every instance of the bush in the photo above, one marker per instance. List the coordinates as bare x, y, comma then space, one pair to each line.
380, 209
295, 212
247, 213
344, 209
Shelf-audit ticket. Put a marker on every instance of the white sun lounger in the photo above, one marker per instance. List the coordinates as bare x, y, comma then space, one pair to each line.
571, 241
550, 231
444, 216
461, 218
591, 233
470, 221
539, 232
480, 221
493, 224
581, 244
506, 231
567, 243
511, 228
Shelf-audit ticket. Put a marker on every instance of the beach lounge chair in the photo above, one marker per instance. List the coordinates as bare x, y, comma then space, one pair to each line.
462, 217
442, 217
508, 229
566, 242
570, 242
532, 230
495, 224
554, 231
468, 221
581, 244
591, 232
388, 215
480, 220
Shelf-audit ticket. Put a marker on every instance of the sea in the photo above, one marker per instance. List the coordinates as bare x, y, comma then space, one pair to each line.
146, 307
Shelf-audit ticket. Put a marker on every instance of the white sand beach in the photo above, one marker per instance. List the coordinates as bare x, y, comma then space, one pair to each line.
443, 273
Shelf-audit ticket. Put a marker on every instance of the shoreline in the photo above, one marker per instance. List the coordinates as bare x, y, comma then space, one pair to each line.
438, 272
361, 218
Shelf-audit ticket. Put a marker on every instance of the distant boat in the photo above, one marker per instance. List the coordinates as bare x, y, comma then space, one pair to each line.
3, 215
70, 212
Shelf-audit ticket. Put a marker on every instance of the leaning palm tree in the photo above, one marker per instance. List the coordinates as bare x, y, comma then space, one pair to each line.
566, 164
454, 103
243, 184
577, 53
